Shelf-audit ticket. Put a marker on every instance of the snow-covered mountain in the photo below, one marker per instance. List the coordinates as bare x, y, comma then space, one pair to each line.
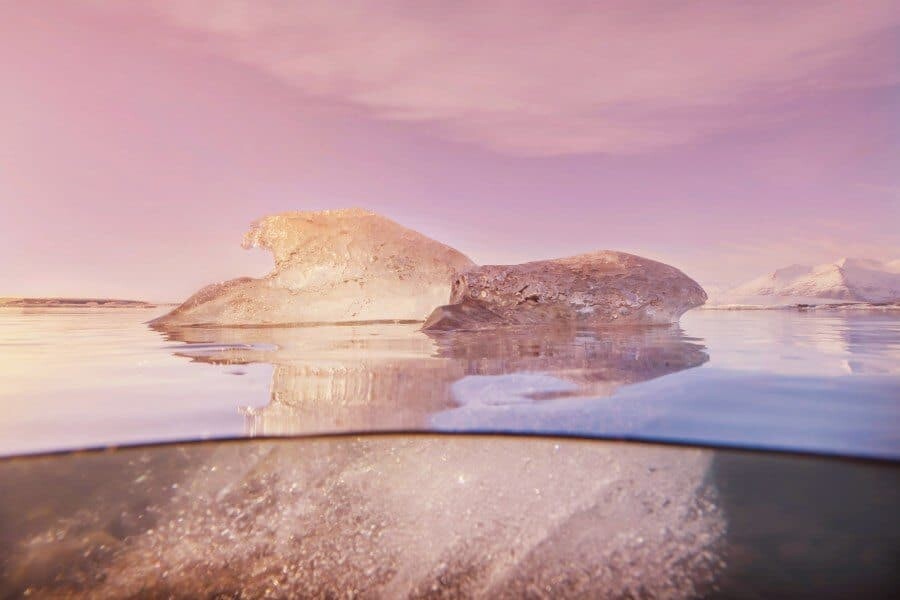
846, 280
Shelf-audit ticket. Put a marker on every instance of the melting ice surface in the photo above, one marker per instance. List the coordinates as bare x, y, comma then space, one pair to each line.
823, 381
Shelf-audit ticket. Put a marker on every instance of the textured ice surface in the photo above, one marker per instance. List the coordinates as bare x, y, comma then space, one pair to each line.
597, 288
331, 266
354, 266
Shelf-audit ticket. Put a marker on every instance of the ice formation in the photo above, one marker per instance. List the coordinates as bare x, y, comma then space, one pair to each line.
369, 517
330, 266
595, 289
351, 265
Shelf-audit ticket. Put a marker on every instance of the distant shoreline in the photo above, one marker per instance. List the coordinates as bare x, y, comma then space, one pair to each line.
872, 306
119, 303
77, 303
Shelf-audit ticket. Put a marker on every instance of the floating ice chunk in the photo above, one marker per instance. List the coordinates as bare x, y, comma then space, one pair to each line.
595, 289
331, 266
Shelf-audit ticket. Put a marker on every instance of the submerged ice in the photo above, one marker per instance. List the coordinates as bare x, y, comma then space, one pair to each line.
372, 517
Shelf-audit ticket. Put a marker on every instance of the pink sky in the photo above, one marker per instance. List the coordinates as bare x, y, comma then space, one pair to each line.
138, 140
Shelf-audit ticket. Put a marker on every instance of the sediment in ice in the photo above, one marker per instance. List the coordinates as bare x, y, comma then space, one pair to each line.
598, 288
330, 266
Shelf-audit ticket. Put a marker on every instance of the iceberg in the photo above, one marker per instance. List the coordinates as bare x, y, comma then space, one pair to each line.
354, 266
331, 266
598, 288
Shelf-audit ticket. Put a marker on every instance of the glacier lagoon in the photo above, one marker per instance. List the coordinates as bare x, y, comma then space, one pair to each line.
819, 381
411, 514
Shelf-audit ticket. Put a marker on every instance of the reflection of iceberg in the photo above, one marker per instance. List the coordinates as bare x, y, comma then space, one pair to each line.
598, 359
395, 377
394, 516
333, 378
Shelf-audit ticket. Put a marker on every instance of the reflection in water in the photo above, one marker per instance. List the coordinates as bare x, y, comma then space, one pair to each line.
817, 381
424, 515
787, 342
378, 516
395, 377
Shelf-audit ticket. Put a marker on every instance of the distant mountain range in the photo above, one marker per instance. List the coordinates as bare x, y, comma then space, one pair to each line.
73, 303
846, 280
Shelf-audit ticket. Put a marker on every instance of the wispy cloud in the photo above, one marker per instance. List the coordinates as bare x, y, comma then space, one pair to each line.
540, 78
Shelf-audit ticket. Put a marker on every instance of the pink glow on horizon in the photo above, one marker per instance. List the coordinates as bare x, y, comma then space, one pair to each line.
136, 144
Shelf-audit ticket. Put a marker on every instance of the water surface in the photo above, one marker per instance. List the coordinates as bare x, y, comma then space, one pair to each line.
817, 381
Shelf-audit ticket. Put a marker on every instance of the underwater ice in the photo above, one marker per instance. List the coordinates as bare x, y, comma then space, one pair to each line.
381, 517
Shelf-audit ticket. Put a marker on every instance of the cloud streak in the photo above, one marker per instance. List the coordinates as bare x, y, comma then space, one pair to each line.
538, 78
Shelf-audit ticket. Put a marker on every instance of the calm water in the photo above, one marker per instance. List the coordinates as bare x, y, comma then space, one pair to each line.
460, 515
819, 381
